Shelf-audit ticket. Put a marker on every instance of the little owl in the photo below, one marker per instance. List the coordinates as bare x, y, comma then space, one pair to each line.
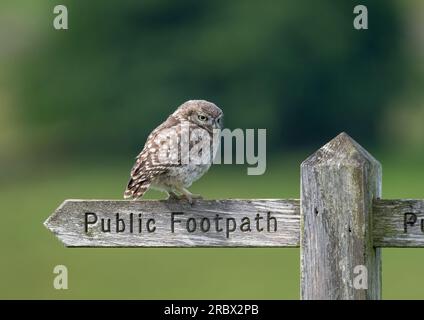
178, 152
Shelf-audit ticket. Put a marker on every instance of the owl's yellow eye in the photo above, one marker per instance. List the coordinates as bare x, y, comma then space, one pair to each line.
202, 117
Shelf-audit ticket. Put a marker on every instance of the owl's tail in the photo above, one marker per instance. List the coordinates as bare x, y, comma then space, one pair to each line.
136, 189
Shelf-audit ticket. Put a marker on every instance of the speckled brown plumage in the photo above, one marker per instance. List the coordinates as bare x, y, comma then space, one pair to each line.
201, 119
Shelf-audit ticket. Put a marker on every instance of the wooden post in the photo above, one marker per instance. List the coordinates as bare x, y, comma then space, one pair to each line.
338, 185
340, 223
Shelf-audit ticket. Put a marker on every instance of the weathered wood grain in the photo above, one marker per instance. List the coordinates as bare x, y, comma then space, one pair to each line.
68, 223
398, 223
338, 185
388, 221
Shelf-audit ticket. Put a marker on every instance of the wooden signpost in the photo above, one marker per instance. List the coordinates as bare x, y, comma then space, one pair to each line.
340, 223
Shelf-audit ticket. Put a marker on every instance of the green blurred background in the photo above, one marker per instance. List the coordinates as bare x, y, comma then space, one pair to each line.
76, 107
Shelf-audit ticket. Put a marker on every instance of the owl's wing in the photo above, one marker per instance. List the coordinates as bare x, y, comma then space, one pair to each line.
142, 175
147, 165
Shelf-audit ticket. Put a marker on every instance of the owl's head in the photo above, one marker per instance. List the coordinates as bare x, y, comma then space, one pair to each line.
202, 113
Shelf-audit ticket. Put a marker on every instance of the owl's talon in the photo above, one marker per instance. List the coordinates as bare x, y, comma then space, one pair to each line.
188, 197
192, 197
174, 196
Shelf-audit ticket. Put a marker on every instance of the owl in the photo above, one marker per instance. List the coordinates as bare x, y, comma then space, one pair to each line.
178, 152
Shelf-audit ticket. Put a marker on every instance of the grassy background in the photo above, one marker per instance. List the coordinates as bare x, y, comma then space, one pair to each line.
30, 252
75, 103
